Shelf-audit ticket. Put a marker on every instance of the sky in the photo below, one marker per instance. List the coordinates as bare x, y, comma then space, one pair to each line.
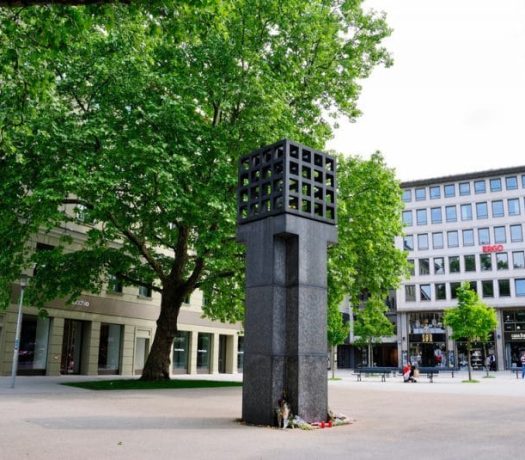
454, 100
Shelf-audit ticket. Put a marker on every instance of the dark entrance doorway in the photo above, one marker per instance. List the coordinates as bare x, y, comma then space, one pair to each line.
71, 347
223, 340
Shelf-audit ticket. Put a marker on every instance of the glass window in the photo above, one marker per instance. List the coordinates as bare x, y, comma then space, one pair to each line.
410, 293
513, 205
451, 214
487, 288
464, 188
504, 288
115, 284
502, 261
497, 208
454, 290
470, 263
452, 239
408, 243
482, 210
424, 266
499, 235
109, 348
518, 260
407, 196
435, 215
441, 291
450, 190
523, 181
407, 218
435, 192
240, 354
422, 241
420, 194
33, 345
483, 236
453, 264
468, 237
485, 262
466, 212
473, 286
516, 233
439, 265
479, 186
520, 287
411, 267
421, 216
511, 182
495, 185
144, 291
424, 291
204, 342
437, 240
181, 351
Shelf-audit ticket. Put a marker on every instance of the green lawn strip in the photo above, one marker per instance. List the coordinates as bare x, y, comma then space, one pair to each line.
135, 384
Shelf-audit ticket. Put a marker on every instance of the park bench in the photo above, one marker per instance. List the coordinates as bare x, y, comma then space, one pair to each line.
383, 371
431, 371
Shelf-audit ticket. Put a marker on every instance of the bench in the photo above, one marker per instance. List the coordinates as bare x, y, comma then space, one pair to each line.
384, 371
431, 371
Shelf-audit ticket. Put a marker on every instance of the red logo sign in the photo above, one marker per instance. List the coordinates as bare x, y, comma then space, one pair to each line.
492, 248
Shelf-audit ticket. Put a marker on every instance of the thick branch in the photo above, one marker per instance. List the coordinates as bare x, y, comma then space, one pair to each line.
136, 282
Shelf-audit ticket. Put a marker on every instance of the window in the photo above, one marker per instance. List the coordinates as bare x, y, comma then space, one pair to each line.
485, 262
516, 233
83, 215
499, 235
487, 288
424, 292
513, 205
519, 284
109, 348
435, 215
420, 194
187, 299
482, 210
454, 290
421, 216
115, 284
441, 291
422, 241
424, 267
464, 188
453, 264
470, 263
502, 261
472, 285
407, 196
411, 267
450, 212
410, 293
466, 212
435, 192
437, 240
450, 190
495, 185
497, 208
518, 260
511, 182
145, 291
408, 243
452, 239
480, 186
407, 218
468, 237
504, 288
523, 181
439, 265
483, 236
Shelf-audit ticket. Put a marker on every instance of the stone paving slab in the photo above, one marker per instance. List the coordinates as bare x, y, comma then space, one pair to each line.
41, 419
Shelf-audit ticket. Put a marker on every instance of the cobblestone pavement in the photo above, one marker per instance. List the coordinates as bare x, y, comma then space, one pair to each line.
447, 419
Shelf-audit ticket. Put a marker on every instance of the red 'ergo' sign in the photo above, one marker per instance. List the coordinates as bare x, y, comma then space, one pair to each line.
492, 248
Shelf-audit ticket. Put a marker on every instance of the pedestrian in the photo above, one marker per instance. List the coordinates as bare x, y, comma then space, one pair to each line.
522, 359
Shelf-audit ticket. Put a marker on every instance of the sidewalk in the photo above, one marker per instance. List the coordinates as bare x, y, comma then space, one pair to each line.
41, 419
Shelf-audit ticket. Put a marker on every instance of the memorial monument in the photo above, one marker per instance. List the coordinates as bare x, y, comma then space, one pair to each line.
286, 219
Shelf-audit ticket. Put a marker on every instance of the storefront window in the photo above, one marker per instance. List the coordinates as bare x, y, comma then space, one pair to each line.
180, 351
427, 339
203, 353
514, 335
478, 354
240, 354
109, 349
34, 338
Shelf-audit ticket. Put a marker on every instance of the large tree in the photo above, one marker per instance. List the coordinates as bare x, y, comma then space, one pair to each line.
139, 118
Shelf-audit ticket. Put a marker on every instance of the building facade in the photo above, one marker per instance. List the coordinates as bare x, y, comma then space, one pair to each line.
111, 333
463, 228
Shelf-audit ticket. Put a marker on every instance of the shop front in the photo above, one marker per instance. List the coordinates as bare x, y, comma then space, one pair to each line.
478, 354
514, 336
427, 340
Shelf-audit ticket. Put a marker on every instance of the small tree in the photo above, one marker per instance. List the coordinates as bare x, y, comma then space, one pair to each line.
338, 331
371, 324
471, 320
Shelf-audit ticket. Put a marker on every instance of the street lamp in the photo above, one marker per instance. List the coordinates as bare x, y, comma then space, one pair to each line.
23, 283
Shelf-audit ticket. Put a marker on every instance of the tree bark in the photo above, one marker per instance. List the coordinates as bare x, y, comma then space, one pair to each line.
332, 360
468, 360
370, 356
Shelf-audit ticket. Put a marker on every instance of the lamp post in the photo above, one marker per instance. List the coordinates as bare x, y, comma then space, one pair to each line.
23, 283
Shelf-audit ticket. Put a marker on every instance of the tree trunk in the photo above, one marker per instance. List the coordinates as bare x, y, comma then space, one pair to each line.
332, 360
469, 360
370, 356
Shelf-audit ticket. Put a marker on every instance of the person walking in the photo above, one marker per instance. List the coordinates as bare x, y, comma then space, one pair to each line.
522, 359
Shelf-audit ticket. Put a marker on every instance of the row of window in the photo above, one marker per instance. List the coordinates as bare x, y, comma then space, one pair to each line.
450, 214
445, 291
463, 188
467, 235
469, 263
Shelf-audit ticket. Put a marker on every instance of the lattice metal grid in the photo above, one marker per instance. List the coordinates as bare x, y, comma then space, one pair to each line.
287, 177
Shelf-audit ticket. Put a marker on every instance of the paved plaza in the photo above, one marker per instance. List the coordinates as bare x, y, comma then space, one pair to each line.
447, 419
